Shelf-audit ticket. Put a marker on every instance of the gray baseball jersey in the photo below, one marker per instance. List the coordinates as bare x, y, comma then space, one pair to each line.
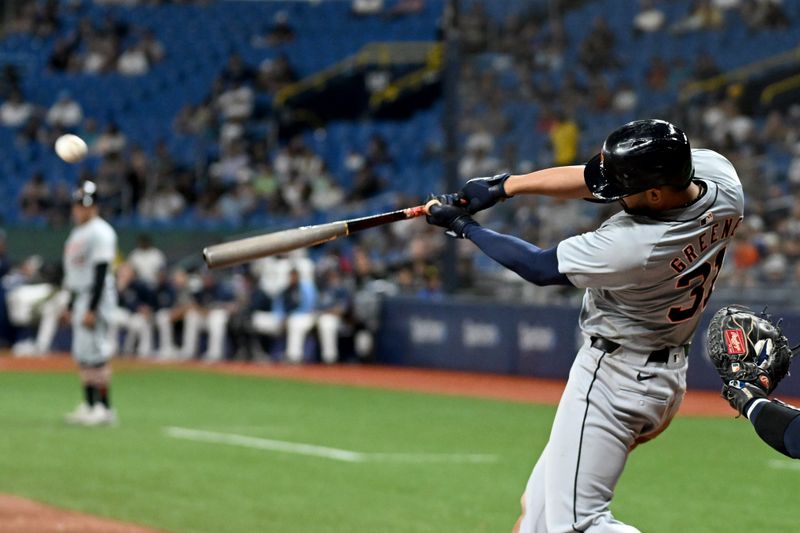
647, 282
87, 245
649, 279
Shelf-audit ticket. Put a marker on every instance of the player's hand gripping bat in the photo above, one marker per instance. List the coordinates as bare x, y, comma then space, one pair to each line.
243, 250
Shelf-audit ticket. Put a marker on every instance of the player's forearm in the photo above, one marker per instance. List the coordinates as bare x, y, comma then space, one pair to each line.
530, 262
778, 425
559, 182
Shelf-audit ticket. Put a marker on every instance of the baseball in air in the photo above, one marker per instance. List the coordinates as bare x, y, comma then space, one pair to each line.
71, 148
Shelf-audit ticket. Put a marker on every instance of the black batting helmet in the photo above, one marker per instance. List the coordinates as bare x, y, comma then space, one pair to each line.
85, 194
638, 156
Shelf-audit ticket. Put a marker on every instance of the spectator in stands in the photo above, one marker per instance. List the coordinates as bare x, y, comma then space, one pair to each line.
477, 160
40, 18
35, 200
213, 304
657, 74
325, 193
147, 261
679, 73
165, 203
134, 313
281, 32
61, 200
133, 61
366, 184
474, 28
65, 113
138, 178
15, 112
431, 288
764, 14
237, 102
649, 19
276, 74
793, 172
601, 95
232, 166
152, 47
705, 67
101, 52
35, 296
292, 312
248, 299
703, 15
625, 98
378, 150
238, 203
63, 57
111, 141
173, 300
565, 138
162, 164
90, 133
237, 71
296, 159
9, 80
366, 7
332, 312
597, 50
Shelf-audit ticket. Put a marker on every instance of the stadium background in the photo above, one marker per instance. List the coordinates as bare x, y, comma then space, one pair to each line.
210, 120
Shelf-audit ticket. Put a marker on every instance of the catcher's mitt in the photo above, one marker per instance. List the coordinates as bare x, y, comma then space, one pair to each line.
748, 347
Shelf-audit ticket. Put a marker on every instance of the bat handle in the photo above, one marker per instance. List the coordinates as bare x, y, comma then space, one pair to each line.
430, 203
434, 201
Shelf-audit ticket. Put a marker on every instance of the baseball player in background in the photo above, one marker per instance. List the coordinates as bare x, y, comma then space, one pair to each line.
648, 272
88, 258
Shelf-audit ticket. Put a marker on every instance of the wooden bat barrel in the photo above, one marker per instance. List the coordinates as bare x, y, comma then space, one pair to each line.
244, 250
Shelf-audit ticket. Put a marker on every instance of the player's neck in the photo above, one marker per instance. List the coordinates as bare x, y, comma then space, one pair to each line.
686, 197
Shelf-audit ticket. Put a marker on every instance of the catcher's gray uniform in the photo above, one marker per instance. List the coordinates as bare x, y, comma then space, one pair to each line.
647, 282
89, 244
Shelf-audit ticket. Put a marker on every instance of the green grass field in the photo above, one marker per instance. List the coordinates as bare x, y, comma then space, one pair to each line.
702, 475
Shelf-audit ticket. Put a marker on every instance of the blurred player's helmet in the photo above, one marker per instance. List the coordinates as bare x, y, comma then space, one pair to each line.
85, 194
638, 156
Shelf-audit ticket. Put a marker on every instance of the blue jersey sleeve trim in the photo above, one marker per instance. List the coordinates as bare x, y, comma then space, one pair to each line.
530, 262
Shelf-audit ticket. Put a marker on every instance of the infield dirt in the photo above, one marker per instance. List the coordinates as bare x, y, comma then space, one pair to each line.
511, 388
20, 515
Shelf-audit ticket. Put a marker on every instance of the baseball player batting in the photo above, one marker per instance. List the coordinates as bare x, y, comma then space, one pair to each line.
648, 272
88, 256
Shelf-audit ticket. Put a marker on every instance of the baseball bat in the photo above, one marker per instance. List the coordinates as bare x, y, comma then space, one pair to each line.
243, 250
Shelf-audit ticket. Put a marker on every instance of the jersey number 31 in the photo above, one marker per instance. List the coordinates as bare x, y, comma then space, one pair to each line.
707, 273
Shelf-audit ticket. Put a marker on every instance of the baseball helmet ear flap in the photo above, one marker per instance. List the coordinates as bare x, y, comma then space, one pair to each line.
640, 155
85, 194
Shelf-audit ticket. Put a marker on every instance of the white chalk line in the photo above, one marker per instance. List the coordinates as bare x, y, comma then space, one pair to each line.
325, 452
784, 464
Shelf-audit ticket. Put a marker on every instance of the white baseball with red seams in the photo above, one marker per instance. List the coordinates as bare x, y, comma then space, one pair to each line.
71, 148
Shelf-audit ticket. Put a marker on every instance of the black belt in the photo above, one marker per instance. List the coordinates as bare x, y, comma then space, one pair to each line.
656, 356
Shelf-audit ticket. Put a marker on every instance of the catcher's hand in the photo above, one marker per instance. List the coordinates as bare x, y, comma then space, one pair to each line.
740, 393
483, 193
450, 215
748, 347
